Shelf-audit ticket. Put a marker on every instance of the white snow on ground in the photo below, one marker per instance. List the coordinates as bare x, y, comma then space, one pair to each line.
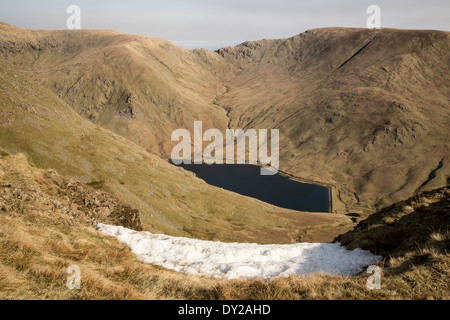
241, 260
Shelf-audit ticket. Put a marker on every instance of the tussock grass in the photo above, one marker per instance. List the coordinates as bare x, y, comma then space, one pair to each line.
34, 259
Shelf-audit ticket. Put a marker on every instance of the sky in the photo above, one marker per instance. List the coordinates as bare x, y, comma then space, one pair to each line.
213, 24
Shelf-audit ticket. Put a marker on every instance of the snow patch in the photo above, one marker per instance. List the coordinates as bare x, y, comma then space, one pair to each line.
241, 260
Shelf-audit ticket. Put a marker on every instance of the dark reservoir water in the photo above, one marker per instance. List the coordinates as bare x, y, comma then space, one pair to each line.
277, 190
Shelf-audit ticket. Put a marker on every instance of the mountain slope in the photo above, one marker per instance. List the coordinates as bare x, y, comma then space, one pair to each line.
35, 122
405, 226
25, 189
364, 110
39, 241
140, 87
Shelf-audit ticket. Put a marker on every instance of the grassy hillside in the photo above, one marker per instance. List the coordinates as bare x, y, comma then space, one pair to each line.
171, 201
375, 126
418, 222
42, 233
364, 110
85, 122
140, 87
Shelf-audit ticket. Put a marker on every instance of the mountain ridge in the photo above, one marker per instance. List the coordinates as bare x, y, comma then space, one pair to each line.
353, 127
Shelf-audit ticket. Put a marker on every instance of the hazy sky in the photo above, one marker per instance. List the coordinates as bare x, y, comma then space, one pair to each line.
213, 24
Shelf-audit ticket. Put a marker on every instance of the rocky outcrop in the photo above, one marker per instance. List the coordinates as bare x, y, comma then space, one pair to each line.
24, 189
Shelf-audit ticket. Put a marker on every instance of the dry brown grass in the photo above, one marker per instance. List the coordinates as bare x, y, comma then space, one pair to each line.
37, 245
33, 261
36, 248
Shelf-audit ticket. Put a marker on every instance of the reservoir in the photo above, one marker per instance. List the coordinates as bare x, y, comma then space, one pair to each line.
276, 189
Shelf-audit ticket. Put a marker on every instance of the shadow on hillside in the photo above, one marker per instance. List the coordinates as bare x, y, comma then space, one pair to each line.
404, 227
